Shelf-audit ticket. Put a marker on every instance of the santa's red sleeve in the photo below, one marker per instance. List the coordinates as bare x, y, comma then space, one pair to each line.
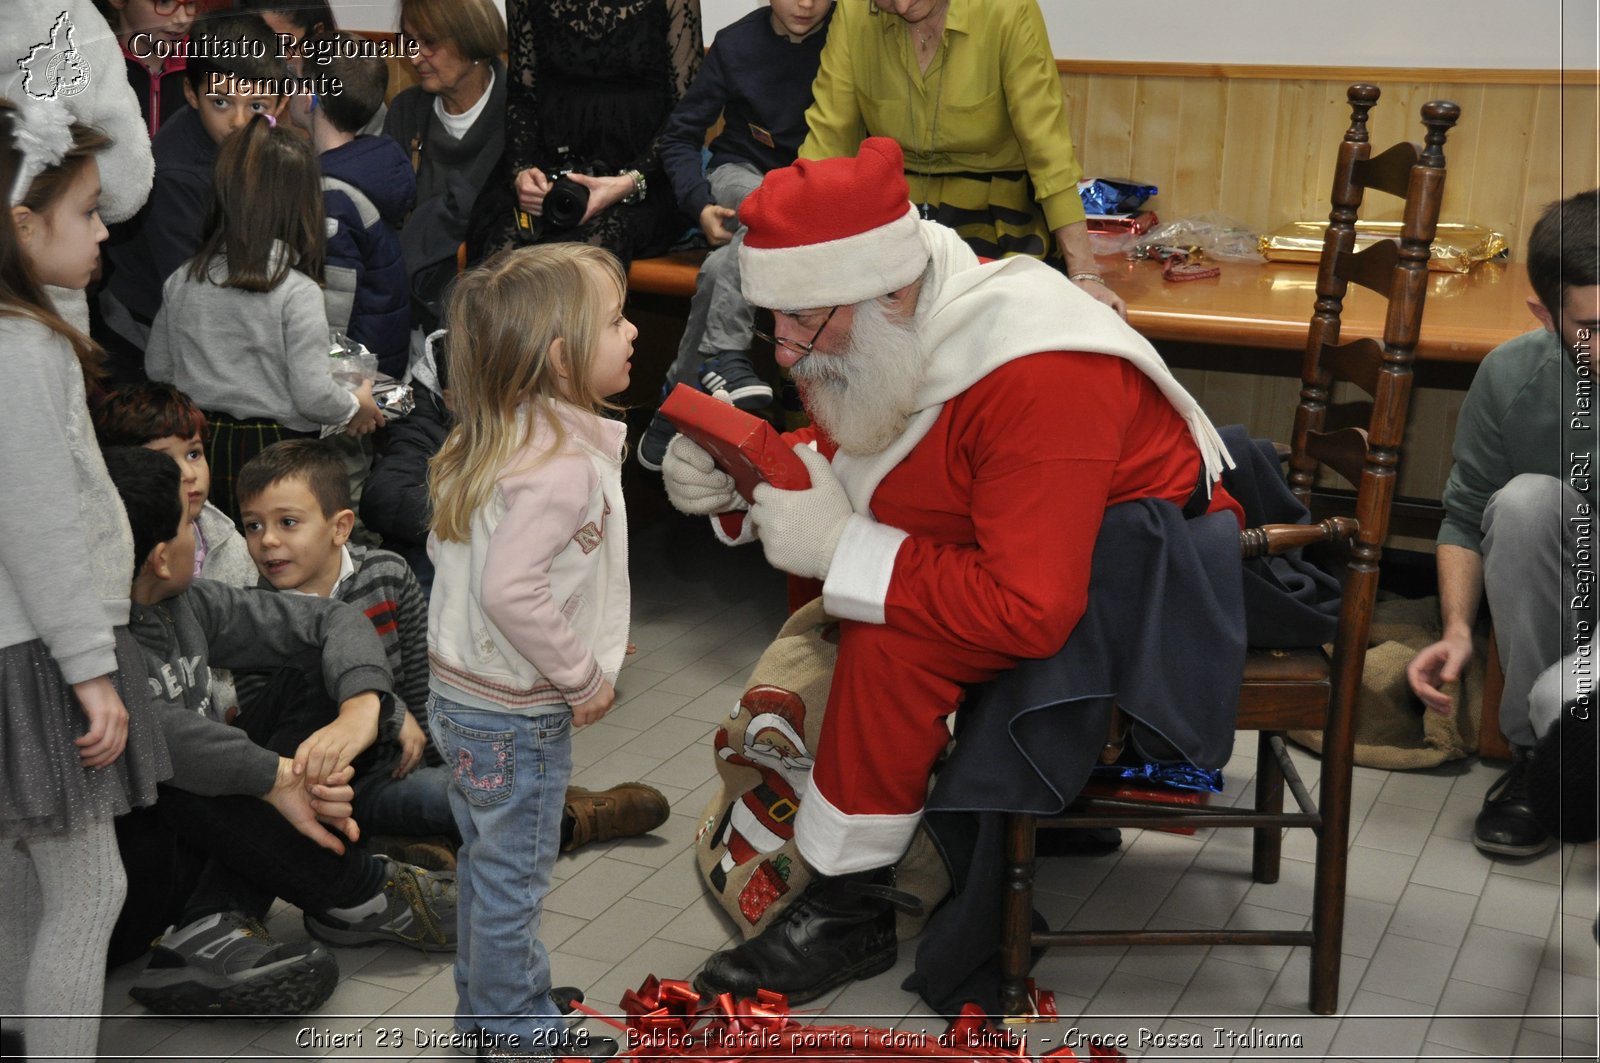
1034, 452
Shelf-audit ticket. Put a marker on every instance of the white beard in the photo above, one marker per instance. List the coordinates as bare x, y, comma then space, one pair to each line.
863, 396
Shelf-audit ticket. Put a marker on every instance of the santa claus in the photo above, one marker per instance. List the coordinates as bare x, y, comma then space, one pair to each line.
973, 422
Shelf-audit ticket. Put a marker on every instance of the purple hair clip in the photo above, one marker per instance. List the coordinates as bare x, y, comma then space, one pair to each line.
272, 122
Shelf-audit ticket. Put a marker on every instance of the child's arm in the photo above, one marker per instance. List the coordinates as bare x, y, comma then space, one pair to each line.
684, 136
316, 395
43, 549
173, 220
544, 510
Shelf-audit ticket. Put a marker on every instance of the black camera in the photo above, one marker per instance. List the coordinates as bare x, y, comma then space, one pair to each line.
566, 201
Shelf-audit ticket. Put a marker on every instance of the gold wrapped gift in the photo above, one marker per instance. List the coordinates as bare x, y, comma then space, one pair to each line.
1455, 247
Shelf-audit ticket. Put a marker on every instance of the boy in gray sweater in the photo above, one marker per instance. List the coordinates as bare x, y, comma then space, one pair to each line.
212, 865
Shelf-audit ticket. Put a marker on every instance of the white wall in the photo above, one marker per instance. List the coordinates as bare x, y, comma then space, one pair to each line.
1520, 34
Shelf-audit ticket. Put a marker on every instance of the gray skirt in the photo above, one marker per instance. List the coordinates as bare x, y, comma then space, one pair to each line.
44, 789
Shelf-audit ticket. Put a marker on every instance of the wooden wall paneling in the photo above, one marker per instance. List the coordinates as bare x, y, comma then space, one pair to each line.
1202, 125
1108, 127
1159, 137
1580, 116
1249, 143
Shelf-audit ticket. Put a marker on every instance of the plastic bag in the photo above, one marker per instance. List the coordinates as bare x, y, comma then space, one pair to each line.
1218, 235
350, 362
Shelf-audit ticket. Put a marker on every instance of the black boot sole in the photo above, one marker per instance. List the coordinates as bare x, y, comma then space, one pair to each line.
303, 985
866, 967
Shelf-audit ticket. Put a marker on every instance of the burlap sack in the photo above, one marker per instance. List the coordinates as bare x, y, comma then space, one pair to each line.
745, 846
1394, 730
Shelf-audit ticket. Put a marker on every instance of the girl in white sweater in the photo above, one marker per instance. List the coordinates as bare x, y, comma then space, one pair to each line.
77, 743
242, 329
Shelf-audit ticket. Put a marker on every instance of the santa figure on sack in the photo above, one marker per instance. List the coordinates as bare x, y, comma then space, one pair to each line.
973, 422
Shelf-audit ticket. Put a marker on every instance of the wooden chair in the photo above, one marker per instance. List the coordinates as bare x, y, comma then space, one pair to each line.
1299, 689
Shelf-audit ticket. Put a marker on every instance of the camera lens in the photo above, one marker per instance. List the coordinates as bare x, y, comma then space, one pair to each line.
565, 203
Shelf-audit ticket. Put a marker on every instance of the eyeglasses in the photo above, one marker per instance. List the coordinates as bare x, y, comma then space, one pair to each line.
167, 7
802, 349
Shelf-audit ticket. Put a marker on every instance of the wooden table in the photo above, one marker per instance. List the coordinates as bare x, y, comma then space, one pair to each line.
1268, 307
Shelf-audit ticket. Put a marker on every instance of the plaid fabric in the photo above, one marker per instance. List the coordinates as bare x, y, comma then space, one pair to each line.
233, 442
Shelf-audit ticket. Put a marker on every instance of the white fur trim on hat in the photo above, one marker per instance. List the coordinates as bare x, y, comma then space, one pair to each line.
835, 272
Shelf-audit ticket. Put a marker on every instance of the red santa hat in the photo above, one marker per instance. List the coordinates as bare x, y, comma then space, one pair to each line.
831, 232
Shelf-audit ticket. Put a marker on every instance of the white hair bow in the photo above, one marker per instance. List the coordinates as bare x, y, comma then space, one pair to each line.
42, 133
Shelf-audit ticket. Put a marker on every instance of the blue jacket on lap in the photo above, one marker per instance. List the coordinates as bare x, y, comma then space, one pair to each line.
367, 188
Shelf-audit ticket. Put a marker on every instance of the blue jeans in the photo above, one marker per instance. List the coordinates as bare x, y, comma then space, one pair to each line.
507, 792
417, 804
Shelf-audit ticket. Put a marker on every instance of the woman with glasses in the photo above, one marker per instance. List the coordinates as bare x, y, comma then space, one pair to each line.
452, 124
150, 33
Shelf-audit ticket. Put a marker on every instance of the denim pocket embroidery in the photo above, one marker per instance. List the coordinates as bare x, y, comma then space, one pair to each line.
485, 762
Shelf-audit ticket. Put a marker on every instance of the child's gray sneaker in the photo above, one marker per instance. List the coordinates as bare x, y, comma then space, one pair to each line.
228, 964
731, 371
420, 911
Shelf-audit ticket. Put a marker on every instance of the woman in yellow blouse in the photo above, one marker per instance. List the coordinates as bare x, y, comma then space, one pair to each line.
969, 89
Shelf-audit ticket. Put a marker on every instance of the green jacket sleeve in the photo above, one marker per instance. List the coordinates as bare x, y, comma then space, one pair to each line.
1039, 116
834, 125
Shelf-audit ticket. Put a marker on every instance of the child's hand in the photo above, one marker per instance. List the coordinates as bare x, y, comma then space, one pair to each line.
711, 219
108, 722
368, 418
532, 186
329, 801
586, 712
332, 748
413, 744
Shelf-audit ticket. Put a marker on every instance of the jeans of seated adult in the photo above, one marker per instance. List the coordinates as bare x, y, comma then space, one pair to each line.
508, 788
416, 804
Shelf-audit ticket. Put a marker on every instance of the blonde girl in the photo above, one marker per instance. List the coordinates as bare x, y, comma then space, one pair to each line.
77, 745
242, 328
528, 619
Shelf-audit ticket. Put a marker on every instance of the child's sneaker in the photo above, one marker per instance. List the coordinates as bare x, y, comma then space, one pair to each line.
732, 372
653, 444
228, 964
420, 910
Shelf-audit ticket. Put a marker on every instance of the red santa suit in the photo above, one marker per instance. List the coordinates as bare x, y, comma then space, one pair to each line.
971, 539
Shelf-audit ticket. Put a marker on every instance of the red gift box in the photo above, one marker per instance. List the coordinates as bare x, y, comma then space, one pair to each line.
743, 445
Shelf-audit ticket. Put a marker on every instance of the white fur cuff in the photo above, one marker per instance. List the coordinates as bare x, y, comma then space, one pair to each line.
837, 843
835, 272
863, 564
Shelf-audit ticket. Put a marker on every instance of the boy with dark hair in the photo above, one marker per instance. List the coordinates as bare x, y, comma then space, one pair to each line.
158, 416
297, 522
209, 864
167, 232
368, 187
1518, 499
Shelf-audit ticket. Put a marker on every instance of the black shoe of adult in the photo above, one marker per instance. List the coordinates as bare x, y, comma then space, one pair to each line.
838, 930
1507, 825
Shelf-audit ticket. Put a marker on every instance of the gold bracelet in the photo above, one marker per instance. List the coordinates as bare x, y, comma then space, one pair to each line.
1086, 277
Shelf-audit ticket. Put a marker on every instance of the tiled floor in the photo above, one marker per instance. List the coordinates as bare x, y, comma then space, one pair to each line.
1448, 955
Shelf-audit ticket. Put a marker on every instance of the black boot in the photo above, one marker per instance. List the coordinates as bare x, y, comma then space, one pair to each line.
1507, 825
840, 929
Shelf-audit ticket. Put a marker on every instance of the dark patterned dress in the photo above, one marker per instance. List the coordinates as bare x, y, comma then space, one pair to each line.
591, 83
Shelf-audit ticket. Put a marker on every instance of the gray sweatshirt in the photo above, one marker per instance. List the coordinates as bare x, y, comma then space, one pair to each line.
238, 628
66, 552
248, 354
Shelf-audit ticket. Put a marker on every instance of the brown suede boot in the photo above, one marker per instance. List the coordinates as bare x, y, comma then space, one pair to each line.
623, 811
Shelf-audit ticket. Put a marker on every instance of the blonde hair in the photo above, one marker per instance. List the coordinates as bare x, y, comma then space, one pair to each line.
503, 318
473, 26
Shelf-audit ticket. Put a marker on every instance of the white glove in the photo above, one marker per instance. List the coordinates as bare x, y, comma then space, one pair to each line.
799, 530
694, 483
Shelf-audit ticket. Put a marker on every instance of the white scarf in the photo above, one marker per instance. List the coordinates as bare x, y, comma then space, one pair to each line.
975, 317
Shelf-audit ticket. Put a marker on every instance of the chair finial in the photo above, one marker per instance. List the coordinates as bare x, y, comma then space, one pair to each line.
1439, 116
1362, 97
